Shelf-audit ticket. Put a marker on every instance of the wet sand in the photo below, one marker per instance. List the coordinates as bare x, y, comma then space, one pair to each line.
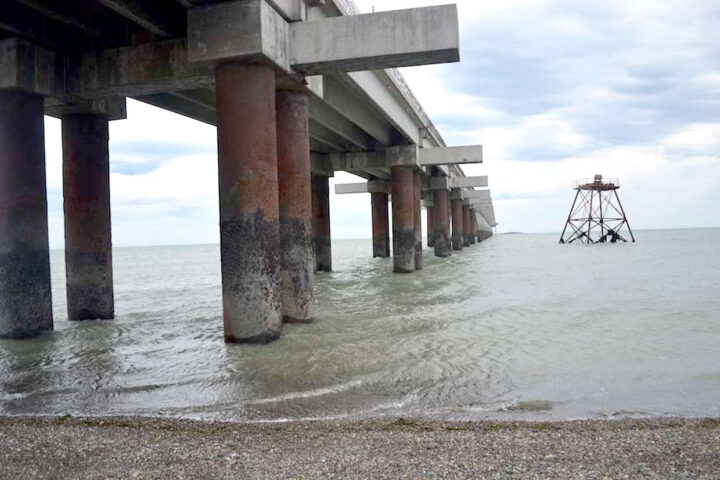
61, 447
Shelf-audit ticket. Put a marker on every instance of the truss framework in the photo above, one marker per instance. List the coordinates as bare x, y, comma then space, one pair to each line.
596, 216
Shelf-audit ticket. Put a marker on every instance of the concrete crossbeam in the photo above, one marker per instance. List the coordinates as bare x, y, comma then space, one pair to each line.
466, 182
476, 194
351, 188
255, 30
451, 155
418, 36
31, 69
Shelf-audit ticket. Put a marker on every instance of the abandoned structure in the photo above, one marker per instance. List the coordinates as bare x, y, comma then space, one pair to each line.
298, 89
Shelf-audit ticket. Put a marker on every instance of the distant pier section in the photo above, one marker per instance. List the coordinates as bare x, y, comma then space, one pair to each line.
298, 89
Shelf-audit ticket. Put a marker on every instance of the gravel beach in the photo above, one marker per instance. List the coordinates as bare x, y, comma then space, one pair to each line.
52, 447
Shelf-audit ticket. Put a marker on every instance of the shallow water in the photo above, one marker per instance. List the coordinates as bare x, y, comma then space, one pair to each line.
517, 327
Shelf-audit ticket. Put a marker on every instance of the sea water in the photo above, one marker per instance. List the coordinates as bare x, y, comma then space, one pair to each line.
515, 327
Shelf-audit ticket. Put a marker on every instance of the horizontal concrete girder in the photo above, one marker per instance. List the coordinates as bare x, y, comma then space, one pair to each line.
451, 155
439, 183
418, 36
371, 186
254, 30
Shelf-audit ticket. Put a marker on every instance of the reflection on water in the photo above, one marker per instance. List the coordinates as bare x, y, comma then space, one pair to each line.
517, 327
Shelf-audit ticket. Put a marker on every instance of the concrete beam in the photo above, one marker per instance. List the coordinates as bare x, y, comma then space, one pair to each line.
451, 155
351, 188
321, 165
358, 161
418, 36
249, 30
476, 194
465, 182
290, 10
31, 69
165, 20
113, 108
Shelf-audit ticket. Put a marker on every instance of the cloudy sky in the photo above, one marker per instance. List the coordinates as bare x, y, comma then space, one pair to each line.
554, 91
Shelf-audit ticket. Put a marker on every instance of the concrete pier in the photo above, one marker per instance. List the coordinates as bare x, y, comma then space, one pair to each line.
466, 226
441, 222
472, 231
403, 215
417, 211
321, 223
249, 212
88, 239
380, 225
25, 299
430, 226
458, 220
297, 258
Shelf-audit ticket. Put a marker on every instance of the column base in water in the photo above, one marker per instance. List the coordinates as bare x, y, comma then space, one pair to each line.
403, 211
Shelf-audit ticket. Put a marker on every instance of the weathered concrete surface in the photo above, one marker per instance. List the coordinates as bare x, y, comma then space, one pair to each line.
458, 220
401, 38
451, 155
321, 223
380, 225
473, 227
88, 238
25, 299
154, 448
467, 227
429, 213
249, 212
295, 200
417, 213
403, 215
441, 222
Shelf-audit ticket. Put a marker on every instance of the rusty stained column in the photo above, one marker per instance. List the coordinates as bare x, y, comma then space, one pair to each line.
466, 226
429, 214
441, 222
417, 210
457, 224
473, 227
249, 212
25, 297
297, 257
380, 225
88, 239
321, 223
403, 215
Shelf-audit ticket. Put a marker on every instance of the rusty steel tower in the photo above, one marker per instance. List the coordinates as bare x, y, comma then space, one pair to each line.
597, 215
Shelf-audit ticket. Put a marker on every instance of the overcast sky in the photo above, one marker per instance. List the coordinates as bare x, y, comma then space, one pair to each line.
554, 91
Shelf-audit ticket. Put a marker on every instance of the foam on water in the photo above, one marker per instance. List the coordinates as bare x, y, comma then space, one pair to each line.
517, 327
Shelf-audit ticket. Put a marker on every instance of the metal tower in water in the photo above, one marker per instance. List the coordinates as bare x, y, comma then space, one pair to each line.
596, 216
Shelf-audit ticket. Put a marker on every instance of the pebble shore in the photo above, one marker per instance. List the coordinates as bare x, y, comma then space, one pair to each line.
129, 447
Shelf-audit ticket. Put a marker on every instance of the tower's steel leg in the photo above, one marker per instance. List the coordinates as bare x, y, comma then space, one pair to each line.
417, 210
429, 213
380, 225
88, 239
297, 258
25, 299
321, 223
457, 224
249, 214
403, 213
441, 222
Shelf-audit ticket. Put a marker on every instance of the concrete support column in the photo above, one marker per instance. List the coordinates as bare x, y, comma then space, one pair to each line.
457, 224
88, 239
380, 225
417, 209
473, 227
249, 212
441, 209
466, 226
403, 215
321, 223
297, 257
25, 299
430, 226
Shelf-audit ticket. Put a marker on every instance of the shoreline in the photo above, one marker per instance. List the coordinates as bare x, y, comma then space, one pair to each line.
143, 447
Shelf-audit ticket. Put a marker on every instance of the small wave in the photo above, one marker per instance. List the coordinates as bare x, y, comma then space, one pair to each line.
318, 392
